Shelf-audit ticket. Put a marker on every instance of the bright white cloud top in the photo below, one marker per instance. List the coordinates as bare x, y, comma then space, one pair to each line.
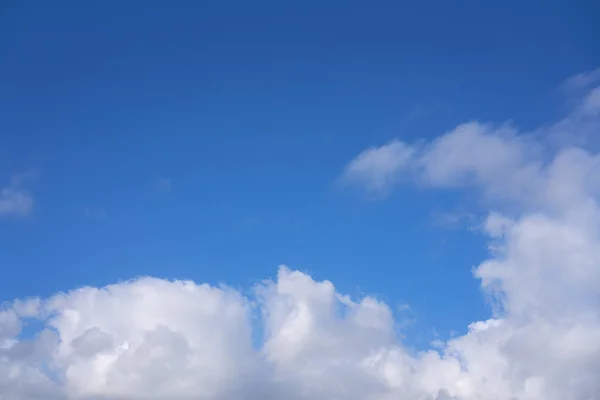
157, 339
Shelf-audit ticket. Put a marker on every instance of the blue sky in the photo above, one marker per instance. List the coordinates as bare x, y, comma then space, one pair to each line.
204, 140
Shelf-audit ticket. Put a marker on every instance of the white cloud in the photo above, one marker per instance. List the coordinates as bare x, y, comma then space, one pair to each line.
15, 200
378, 168
157, 339
583, 80
591, 103
525, 169
471, 154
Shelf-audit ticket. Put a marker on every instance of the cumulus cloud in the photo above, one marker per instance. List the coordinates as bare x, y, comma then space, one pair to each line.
471, 154
297, 338
504, 164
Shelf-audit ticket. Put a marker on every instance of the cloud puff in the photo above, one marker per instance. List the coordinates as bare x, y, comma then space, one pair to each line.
505, 164
377, 168
297, 338
471, 154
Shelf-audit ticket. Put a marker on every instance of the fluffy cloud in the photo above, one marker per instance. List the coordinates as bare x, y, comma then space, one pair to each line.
296, 338
533, 168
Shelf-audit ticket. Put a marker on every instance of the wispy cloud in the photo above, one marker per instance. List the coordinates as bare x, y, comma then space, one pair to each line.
14, 199
377, 169
95, 213
455, 220
506, 164
583, 80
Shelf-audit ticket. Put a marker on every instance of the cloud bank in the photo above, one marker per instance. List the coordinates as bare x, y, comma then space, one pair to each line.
297, 338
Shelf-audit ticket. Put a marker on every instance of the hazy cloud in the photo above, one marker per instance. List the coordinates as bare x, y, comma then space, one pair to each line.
95, 213
583, 80
14, 199
378, 168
